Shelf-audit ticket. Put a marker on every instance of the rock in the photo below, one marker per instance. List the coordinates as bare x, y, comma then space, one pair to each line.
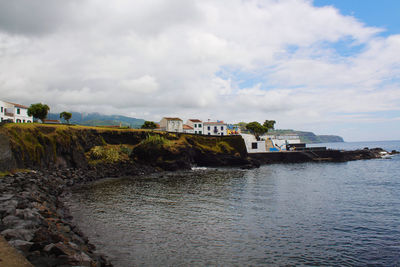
6, 197
81, 259
21, 234
8, 207
59, 249
49, 247
28, 214
12, 221
21, 245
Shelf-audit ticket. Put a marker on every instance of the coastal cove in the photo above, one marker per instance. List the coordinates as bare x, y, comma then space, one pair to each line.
50, 160
320, 214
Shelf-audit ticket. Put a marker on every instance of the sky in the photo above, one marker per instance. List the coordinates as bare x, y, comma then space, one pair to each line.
331, 67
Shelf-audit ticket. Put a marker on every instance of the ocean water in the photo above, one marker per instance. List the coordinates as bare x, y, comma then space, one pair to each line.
387, 145
311, 214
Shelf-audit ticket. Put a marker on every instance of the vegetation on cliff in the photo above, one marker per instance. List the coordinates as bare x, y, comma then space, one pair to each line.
46, 146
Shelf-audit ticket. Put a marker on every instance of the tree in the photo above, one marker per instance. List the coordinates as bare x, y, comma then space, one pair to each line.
66, 116
38, 111
256, 129
270, 124
149, 125
242, 125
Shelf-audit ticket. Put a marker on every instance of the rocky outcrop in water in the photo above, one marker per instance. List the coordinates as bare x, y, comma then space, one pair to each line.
318, 156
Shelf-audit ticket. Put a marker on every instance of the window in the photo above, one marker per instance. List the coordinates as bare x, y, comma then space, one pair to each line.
209, 133
208, 128
222, 128
18, 111
1, 109
195, 132
222, 133
200, 132
254, 145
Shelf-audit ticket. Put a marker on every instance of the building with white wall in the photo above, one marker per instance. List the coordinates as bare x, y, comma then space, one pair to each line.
215, 128
252, 145
197, 125
14, 112
171, 125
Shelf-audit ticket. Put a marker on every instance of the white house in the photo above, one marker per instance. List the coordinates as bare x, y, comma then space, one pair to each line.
215, 128
252, 145
196, 124
14, 112
171, 125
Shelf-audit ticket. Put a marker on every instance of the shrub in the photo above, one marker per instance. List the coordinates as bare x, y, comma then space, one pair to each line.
155, 140
106, 154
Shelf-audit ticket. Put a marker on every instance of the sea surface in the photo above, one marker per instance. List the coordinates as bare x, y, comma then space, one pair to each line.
309, 214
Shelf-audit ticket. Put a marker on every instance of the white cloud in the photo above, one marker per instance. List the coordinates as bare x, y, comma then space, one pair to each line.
152, 58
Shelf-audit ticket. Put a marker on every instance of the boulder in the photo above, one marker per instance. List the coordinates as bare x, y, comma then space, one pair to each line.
18, 234
21, 245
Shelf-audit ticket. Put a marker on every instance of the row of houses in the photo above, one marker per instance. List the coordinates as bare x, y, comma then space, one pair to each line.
193, 126
267, 143
13, 112
17, 113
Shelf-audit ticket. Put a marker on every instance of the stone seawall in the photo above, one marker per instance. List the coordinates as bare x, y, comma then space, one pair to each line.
34, 220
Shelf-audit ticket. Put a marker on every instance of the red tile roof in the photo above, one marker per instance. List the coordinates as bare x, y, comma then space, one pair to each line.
18, 105
187, 127
172, 119
195, 120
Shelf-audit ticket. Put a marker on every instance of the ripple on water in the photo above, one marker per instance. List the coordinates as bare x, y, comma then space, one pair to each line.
343, 214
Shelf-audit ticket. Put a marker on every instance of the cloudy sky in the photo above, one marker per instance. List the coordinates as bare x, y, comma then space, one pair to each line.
331, 67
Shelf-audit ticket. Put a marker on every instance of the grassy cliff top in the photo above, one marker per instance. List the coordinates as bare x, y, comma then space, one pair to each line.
43, 145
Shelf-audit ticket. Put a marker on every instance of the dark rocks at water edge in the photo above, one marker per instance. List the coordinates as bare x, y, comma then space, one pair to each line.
34, 220
320, 155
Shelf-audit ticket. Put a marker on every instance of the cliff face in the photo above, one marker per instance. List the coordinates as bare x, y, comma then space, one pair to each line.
35, 146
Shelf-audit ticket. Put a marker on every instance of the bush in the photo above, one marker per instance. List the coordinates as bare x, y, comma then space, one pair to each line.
107, 154
155, 140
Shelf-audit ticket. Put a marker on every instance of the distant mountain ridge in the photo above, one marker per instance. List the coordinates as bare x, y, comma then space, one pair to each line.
310, 137
97, 119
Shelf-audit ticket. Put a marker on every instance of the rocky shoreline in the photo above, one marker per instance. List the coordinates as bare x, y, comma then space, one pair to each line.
35, 221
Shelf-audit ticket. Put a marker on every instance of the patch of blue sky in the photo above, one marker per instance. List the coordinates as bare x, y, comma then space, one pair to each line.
247, 79
374, 13
250, 79
347, 47
244, 79
392, 81
291, 49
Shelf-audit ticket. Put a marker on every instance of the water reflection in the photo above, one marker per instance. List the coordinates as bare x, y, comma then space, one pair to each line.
295, 214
